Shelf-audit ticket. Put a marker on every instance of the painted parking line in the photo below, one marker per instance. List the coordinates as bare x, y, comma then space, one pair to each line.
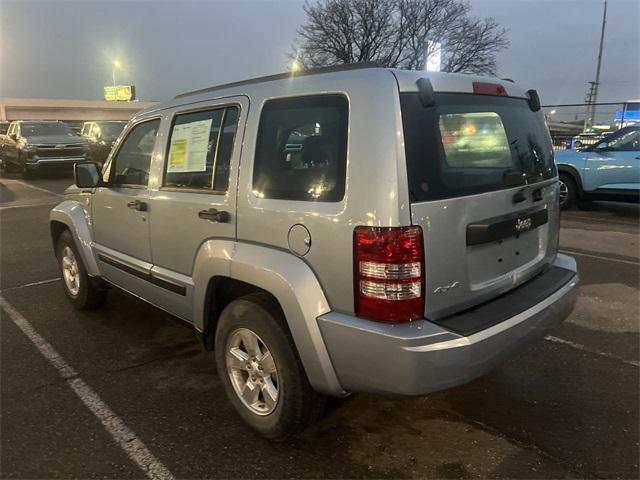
600, 257
123, 435
583, 348
28, 205
50, 192
33, 284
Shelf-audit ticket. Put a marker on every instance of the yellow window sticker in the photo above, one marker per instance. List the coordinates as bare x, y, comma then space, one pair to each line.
178, 157
190, 147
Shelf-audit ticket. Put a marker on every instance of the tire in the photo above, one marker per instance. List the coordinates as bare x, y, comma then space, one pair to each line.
568, 191
24, 172
85, 293
296, 403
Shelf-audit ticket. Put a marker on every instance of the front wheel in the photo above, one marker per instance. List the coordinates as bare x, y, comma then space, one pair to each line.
25, 173
260, 370
83, 291
568, 191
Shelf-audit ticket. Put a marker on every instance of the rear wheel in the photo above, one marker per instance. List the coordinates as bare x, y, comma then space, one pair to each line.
568, 191
83, 291
260, 370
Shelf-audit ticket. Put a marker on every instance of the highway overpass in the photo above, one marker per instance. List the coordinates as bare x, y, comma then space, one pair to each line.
70, 110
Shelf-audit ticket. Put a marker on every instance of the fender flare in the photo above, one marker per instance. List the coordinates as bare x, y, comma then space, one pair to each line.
73, 215
294, 285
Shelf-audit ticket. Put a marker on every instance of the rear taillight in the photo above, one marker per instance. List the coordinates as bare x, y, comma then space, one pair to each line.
388, 273
486, 88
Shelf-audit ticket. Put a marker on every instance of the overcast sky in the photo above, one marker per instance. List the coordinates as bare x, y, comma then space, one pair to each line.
64, 49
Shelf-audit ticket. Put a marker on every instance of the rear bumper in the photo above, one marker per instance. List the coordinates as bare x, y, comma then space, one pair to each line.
421, 357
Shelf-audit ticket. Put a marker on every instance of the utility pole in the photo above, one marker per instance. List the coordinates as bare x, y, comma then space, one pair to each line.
588, 99
593, 94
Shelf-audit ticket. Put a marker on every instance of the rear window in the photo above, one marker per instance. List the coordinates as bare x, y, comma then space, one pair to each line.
470, 144
301, 152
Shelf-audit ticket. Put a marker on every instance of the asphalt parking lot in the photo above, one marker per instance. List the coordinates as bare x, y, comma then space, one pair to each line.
565, 408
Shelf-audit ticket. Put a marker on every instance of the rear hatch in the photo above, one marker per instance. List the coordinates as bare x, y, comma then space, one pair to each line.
482, 187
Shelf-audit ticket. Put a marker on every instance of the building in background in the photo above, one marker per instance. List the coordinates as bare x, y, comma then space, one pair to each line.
73, 112
630, 113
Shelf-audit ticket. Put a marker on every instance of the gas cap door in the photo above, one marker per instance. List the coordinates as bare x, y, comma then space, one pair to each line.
299, 240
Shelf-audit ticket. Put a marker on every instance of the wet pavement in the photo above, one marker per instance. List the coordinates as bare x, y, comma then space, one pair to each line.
565, 408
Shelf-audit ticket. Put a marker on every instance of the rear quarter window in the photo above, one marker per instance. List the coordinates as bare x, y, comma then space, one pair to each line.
301, 150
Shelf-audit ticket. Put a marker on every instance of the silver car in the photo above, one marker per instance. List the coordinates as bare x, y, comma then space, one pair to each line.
338, 230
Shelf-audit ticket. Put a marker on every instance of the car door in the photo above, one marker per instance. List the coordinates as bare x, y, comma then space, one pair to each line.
195, 199
121, 210
614, 164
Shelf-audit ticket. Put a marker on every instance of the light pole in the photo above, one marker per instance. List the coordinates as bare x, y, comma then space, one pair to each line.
116, 66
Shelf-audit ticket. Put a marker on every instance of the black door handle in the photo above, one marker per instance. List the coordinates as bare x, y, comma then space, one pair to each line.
138, 205
214, 215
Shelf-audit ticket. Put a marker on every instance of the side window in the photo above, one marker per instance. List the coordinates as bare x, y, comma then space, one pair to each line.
200, 149
628, 142
131, 163
301, 151
85, 129
11, 129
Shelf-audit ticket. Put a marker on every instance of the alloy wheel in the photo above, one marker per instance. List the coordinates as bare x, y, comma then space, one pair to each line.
564, 192
252, 371
70, 271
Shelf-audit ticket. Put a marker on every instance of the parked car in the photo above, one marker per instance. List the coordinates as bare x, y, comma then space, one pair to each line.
34, 146
344, 234
608, 170
101, 136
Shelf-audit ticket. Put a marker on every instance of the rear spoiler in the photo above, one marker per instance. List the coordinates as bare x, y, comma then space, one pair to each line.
427, 95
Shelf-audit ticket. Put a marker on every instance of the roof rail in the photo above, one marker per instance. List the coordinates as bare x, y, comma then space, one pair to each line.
282, 76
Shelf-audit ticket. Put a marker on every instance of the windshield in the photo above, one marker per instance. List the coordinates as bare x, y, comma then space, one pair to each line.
49, 128
469, 144
111, 129
619, 139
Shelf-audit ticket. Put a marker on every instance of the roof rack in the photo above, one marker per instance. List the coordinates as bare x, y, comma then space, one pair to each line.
282, 76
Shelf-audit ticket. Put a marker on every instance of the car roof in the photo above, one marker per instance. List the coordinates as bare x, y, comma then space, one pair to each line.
358, 72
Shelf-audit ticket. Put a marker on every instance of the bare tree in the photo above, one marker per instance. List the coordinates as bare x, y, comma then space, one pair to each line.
398, 33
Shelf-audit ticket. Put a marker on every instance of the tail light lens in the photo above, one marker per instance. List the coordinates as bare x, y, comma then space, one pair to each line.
388, 273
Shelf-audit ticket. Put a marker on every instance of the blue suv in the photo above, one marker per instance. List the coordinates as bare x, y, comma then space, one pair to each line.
608, 170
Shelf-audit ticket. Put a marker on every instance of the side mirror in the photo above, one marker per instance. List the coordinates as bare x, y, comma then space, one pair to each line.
14, 137
86, 174
603, 146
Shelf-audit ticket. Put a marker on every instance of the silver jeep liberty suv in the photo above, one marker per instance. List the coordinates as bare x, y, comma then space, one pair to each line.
339, 230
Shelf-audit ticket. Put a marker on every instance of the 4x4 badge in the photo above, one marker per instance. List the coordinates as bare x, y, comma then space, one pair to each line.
523, 225
446, 288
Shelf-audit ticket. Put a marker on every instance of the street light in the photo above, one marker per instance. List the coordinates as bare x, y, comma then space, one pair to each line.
116, 66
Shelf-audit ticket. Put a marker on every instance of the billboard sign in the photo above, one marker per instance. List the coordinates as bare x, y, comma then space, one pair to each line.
119, 93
